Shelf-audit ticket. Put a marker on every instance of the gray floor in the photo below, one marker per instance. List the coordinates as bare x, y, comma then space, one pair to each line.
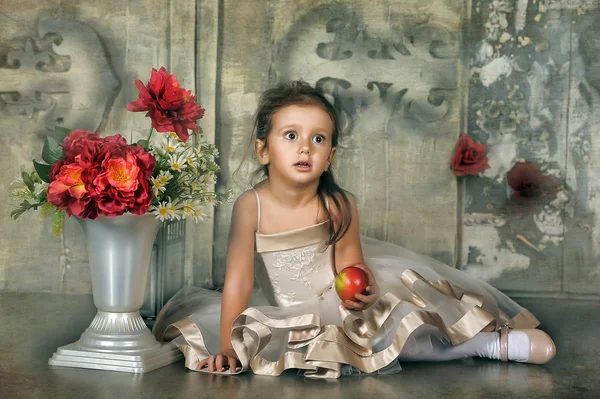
32, 326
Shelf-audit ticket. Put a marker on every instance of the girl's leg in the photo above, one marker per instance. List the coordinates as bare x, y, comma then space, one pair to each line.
429, 345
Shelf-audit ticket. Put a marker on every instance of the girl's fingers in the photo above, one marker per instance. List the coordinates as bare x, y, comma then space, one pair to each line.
216, 363
352, 305
365, 298
220, 359
232, 364
211, 363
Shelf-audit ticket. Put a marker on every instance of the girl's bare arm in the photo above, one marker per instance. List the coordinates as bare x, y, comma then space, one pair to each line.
348, 252
239, 267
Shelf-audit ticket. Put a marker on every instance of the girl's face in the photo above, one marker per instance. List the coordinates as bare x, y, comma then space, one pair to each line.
299, 145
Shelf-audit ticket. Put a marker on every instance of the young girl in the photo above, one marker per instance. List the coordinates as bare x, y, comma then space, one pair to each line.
295, 231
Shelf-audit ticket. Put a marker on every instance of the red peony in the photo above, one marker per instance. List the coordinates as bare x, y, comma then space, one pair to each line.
83, 144
469, 158
530, 186
170, 107
101, 177
123, 183
67, 190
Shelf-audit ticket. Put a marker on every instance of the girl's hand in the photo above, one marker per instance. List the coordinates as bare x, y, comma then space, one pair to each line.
364, 301
226, 359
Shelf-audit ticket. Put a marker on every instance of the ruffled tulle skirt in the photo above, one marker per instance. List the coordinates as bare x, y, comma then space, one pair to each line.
421, 301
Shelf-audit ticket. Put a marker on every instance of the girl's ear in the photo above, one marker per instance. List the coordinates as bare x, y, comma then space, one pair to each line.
331, 156
261, 151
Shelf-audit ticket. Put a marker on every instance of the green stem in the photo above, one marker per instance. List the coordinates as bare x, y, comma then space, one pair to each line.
149, 136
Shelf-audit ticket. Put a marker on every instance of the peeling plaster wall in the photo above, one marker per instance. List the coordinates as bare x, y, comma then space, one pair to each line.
533, 97
408, 77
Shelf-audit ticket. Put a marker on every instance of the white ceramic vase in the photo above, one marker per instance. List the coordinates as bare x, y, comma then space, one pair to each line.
119, 251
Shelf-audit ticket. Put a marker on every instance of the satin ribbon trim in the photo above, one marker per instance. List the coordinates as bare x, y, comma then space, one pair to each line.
329, 346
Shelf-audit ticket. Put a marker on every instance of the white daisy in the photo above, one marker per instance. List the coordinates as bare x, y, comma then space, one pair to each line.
164, 176
191, 161
161, 211
172, 146
157, 185
188, 209
198, 215
177, 162
173, 211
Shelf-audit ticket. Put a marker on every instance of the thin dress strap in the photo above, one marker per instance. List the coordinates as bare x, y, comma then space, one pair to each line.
326, 200
258, 204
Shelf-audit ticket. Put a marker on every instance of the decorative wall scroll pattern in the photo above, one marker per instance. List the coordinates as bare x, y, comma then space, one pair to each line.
390, 90
63, 76
407, 75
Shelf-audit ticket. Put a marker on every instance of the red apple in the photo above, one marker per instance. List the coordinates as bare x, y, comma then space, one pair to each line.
350, 281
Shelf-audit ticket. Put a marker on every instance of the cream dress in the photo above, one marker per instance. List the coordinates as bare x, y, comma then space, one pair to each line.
295, 318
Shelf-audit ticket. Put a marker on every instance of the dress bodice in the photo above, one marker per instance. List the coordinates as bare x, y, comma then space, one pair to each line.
294, 266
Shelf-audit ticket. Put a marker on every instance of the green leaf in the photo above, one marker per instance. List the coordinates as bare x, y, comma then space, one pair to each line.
52, 151
17, 212
42, 170
61, 133
143, 143
27, 180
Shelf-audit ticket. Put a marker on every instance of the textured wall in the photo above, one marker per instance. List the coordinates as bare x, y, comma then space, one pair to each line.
394, 70
408, 77
533, 97
73, 63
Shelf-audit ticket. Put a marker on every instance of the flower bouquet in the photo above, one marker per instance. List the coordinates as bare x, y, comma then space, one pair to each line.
120, 193
88, 176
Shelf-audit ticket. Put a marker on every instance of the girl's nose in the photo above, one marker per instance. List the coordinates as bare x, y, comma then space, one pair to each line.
304, 147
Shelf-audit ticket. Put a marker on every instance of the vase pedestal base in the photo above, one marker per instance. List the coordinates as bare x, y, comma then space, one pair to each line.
136, 362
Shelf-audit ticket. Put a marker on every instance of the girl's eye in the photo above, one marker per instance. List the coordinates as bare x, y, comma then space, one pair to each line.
318, 139
291, 135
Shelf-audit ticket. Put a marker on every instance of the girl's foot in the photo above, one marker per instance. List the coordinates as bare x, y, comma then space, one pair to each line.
526, 345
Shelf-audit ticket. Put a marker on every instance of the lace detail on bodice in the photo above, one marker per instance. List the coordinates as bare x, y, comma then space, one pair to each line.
295, 265
298, 274
283, 298
298, 263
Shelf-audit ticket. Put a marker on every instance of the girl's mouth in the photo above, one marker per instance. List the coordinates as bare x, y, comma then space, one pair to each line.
303, 165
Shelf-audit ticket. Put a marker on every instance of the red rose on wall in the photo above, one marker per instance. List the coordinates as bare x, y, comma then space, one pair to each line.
530, 186
170, 107
469, 158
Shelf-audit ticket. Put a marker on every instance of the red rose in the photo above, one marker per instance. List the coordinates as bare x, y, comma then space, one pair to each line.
67, 190
170, 107
530, 186
469, 158
122, 185
101, 177
83, 144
